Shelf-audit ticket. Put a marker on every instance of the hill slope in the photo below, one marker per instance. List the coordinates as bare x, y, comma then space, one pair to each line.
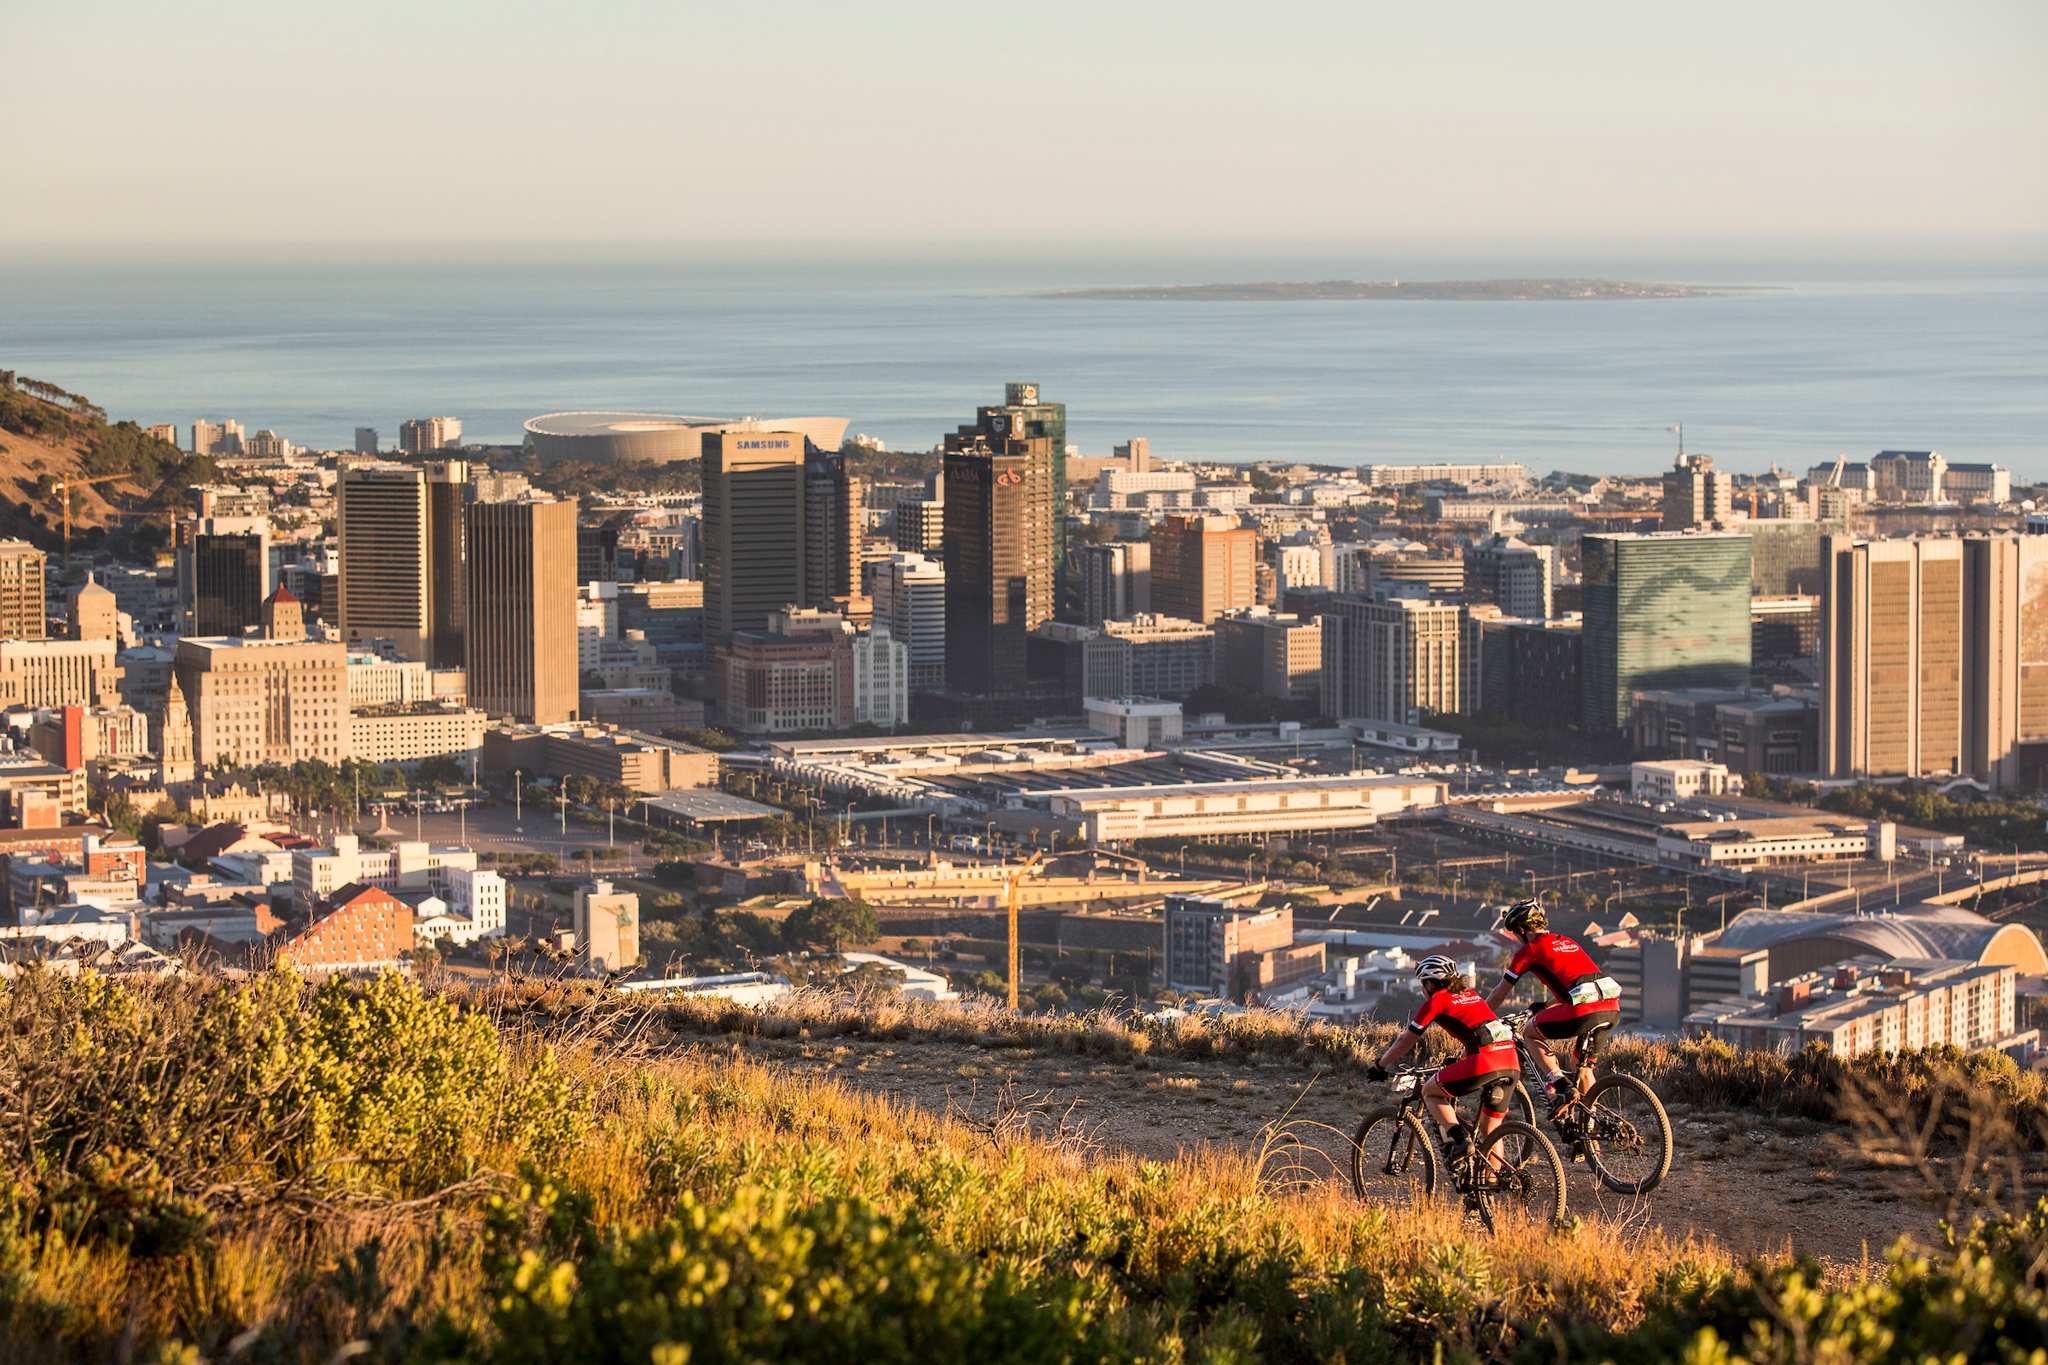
47, 434
263, 1170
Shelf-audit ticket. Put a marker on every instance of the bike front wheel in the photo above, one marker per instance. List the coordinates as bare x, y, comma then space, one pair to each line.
1626, 1133
1392, 1158
1516, 1169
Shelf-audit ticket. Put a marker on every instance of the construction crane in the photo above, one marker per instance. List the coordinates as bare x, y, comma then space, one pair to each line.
1016, 875
62, 488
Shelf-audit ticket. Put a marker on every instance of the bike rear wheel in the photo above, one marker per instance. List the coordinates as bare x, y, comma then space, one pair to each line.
1517, 1171
1626, 1134
1392, 1158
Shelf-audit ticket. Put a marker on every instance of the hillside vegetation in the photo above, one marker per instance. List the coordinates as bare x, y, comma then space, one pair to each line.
265, 1170
48, 434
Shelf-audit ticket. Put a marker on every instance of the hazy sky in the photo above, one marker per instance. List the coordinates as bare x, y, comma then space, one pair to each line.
502, 121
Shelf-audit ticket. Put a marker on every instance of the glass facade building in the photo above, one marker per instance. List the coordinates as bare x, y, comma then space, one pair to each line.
1662, 610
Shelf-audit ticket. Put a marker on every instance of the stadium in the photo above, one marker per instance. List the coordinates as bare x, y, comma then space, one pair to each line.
655, 437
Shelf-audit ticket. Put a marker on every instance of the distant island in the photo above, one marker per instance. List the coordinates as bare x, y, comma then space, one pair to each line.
1346, 291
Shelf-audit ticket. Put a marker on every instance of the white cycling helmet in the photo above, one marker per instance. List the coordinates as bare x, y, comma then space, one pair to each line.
1436, 968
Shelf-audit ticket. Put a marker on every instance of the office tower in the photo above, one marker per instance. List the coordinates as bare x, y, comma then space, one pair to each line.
223, 575
1023, 417
1136, 453
386, 591
999, 556
754, 540
910, 598
1203, 566
94, 613
424, 435
1148, 656
41, 673
167, 432
256, 700
2005, 728
230, 438
521, 595
1438, 575
835, 526
21, 591
205, 436
1662, 609
366, 440
1511, 574
1116, 580
1697, 495
448, 497
597, 553
1934, 658
1393, 658
918, 525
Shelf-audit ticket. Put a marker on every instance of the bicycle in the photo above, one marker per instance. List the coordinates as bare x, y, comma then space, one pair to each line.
1514, 1166
1617, 1125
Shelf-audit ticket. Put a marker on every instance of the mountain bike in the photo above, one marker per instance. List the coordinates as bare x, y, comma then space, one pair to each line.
1617, 1125
1395, 1158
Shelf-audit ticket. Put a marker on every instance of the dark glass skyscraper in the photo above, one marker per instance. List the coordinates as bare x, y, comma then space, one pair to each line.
1022, 416
1665, 609
998, 548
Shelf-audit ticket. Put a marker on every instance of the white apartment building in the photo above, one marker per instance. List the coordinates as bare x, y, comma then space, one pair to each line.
1678, 779
1908, 1003
409, 865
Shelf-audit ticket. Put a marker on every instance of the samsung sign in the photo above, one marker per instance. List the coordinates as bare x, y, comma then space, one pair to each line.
779, 444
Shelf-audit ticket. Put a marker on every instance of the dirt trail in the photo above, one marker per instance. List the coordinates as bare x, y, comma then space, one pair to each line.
1750, 1185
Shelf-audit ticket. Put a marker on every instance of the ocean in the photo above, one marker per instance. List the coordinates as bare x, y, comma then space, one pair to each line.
1819, 360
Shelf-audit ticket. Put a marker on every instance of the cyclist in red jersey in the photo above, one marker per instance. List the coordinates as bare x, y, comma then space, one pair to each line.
1587, 1001
1488, 1065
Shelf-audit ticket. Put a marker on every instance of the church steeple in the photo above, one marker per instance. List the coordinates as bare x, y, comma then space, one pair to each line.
174, 763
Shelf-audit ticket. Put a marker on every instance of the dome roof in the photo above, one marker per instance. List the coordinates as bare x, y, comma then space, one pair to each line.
1914, 931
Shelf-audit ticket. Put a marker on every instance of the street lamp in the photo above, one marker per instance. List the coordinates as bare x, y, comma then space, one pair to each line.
518, 801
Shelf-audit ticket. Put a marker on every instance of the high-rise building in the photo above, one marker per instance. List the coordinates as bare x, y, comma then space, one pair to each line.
1203, 566
385, 587
918, 524
835, 526
423, 435
754, 537
910, 598
1663, 609
1511, 574
366, 440
167, 432
22, 568
1116, 580
521, 596
448, 497
205, 436
1934, 658
223, 575
1395, 658
1021, 416
402, 533
1696, 494
999, 553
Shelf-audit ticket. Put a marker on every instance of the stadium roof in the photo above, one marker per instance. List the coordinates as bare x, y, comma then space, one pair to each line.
1915, 931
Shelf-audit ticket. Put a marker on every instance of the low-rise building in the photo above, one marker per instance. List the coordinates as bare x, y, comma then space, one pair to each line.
1248, 809
631, 759
1904, 1005
607, 926
1220, 948
1678, 779
410, 733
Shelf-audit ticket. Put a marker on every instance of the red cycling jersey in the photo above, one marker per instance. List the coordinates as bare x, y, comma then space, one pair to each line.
1464, 1015
1558, 962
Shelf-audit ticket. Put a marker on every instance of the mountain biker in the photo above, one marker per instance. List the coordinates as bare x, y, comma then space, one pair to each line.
1489, 1064
1588, 1002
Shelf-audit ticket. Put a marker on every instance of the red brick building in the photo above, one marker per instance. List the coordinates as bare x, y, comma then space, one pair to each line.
357, 929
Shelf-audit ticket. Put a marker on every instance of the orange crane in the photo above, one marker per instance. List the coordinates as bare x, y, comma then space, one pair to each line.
63, 488
1016, 875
